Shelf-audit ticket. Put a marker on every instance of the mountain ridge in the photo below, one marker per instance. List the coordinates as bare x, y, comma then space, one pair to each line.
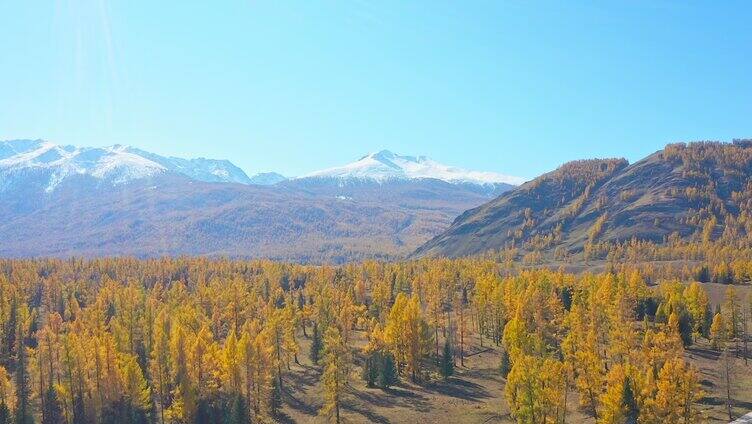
119, 200
171, 215
46, 164
117, 164
584, 206
385, 165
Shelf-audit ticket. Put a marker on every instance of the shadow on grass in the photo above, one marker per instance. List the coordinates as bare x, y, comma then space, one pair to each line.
704, 353
718, 401
706, 383
393, 397
300, 382
370, 415
281, 417
459, 388
712, 401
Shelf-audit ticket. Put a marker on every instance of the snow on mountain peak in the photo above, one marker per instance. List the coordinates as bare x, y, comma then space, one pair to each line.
385, 165
47, 164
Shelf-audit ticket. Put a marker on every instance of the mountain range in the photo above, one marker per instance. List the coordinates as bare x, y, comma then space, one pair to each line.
120, 200
698, 191
47, 164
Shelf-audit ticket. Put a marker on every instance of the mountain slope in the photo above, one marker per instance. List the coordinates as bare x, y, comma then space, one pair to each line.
170, 214
680, 191
201, 169
119, 200
267, 178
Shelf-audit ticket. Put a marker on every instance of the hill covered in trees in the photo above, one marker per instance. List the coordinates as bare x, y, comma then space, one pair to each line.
685, 193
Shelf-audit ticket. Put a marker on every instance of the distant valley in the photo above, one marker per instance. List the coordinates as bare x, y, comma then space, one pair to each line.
119, 200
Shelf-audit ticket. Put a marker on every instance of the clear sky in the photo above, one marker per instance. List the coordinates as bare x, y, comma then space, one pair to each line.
512, 87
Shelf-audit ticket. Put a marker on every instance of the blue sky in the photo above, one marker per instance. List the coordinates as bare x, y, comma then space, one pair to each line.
513, 87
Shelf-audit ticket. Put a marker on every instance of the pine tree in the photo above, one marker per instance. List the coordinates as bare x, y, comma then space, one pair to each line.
275, 397
237, 412
703, 274
316, 345
504, 364
120, 411
372, 368
447, 362
388, 372
52, 412
685, 329
629, 402
707, 321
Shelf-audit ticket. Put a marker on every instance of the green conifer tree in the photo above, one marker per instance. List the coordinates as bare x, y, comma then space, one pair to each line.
237, 412
504, 364
388, 372
629, 402
275, 399
372, 368
447, 362
52, 410
316, 345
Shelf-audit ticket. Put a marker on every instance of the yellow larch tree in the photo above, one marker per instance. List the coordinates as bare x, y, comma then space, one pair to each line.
336, 372
407, 334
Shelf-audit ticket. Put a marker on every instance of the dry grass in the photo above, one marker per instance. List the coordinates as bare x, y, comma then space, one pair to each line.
714, 402
475, 394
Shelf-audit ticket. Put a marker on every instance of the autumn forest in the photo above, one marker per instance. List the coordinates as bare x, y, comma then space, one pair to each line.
224, 341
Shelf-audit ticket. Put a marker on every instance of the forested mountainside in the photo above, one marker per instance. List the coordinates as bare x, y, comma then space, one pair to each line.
693, 192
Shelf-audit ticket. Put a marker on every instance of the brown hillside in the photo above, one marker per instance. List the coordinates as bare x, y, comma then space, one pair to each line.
696, 190
170, 216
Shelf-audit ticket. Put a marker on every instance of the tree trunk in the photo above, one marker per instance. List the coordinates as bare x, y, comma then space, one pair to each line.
727, 378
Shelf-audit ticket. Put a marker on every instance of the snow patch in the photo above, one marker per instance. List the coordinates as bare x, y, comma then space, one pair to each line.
385, 165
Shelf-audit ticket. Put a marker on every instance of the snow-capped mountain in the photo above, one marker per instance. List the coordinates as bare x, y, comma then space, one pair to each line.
47, 165
118, 200
209, 170
44, 165
385, 165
